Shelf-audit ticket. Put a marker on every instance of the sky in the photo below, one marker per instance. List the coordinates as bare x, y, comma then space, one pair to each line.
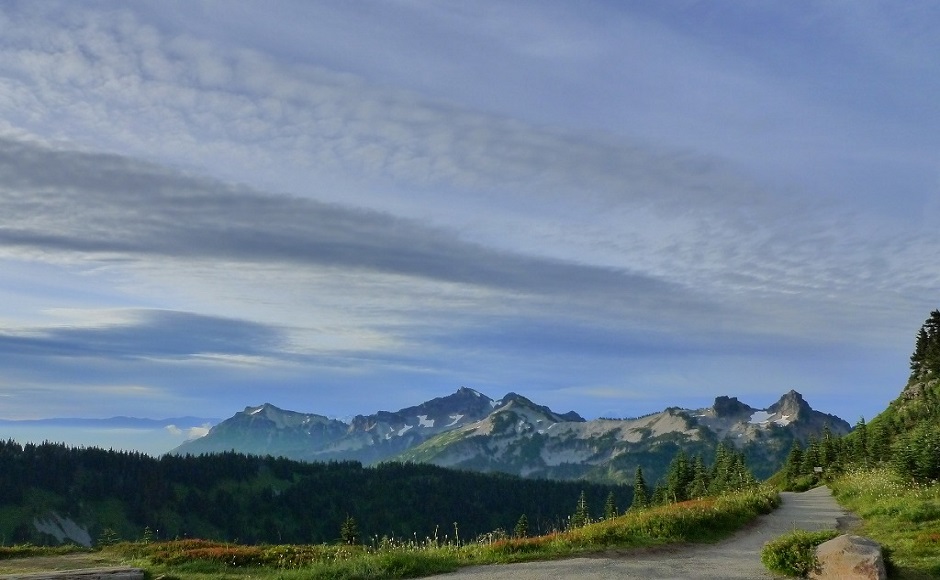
341, 207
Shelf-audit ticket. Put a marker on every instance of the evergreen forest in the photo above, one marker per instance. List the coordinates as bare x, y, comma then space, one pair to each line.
251, 499
905, 437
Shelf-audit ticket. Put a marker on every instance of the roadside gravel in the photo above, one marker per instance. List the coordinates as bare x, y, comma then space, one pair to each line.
734, 557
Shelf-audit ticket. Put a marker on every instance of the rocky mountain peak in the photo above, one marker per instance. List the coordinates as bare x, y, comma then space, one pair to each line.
464, 401
791, 404
730, 407
467, 429
517, 399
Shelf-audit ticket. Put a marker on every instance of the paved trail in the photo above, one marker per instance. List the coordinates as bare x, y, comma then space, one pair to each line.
735, 557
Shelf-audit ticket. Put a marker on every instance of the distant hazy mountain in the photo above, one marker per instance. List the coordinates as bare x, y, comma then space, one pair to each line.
469, 430
268, 430
113, 422
521, 438
150, 436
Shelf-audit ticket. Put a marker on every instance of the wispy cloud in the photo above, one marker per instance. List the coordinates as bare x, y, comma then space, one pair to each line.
145, 334
93, 204
608, 196
188, 433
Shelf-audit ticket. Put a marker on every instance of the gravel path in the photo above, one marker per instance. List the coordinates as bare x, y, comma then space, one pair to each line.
734, 557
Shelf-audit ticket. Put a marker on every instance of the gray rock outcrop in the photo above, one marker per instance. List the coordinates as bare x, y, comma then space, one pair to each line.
850, 558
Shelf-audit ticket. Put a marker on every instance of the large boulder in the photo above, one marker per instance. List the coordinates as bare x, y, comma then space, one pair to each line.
850, 558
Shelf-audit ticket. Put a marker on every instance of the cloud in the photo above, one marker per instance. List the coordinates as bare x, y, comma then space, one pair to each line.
73, 203
189, 433
554, 195
145, 334
309, 127
132, 87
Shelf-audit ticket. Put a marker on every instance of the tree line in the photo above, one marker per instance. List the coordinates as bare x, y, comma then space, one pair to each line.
686, 478
236, 497
905, 437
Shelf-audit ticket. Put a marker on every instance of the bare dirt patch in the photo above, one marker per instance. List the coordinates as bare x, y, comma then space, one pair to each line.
735, 557
56, 563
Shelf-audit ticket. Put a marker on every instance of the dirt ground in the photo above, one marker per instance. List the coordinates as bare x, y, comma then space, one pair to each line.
51, 563
734, 557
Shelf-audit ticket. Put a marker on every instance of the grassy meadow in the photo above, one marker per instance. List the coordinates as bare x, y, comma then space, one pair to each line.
702, 520
902, 516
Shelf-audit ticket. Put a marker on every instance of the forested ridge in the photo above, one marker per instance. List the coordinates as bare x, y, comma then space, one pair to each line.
904, 437
251, 499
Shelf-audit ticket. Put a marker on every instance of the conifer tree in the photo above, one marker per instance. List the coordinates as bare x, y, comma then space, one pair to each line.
610, 507
698, 487
522, 527
660, 494
827, 448
582, 515
860, 443
878, 443
928, 456
811, 456
925, 362
793, 468
920, 352
916, 455
678, 478
640, 494
740, 476
349, 531
721, 470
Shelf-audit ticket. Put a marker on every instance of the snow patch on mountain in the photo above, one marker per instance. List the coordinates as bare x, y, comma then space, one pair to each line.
423, 421
62, 529
557, 456
760, 417
765, 418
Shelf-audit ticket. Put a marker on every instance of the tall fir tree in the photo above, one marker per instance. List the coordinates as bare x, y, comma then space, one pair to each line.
640, 493
811, 459
349, 531
698, 487
679, 477
721, 469
582, 515
610, 506
660, 494
860, 453
925, 362
793, 468
827, 448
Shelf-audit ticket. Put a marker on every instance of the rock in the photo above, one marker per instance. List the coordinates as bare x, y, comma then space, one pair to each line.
849, 558
85, 574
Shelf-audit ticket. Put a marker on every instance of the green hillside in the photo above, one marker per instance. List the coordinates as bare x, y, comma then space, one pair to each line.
252, 499
907, 433
887, 471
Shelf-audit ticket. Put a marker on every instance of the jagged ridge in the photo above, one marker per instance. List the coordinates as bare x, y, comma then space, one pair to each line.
469, 430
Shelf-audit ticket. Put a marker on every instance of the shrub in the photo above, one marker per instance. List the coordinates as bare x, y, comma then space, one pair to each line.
803, 483
29, 550
794, 554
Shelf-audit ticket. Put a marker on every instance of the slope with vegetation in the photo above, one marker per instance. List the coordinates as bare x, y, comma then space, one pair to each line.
887, 471
734, 500
214, 495
468, 430
231, 496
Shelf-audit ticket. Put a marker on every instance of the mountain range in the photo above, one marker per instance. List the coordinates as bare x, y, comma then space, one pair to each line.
468, 430
113, 422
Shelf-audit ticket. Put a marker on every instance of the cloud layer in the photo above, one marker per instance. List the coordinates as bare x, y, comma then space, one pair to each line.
214, 204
